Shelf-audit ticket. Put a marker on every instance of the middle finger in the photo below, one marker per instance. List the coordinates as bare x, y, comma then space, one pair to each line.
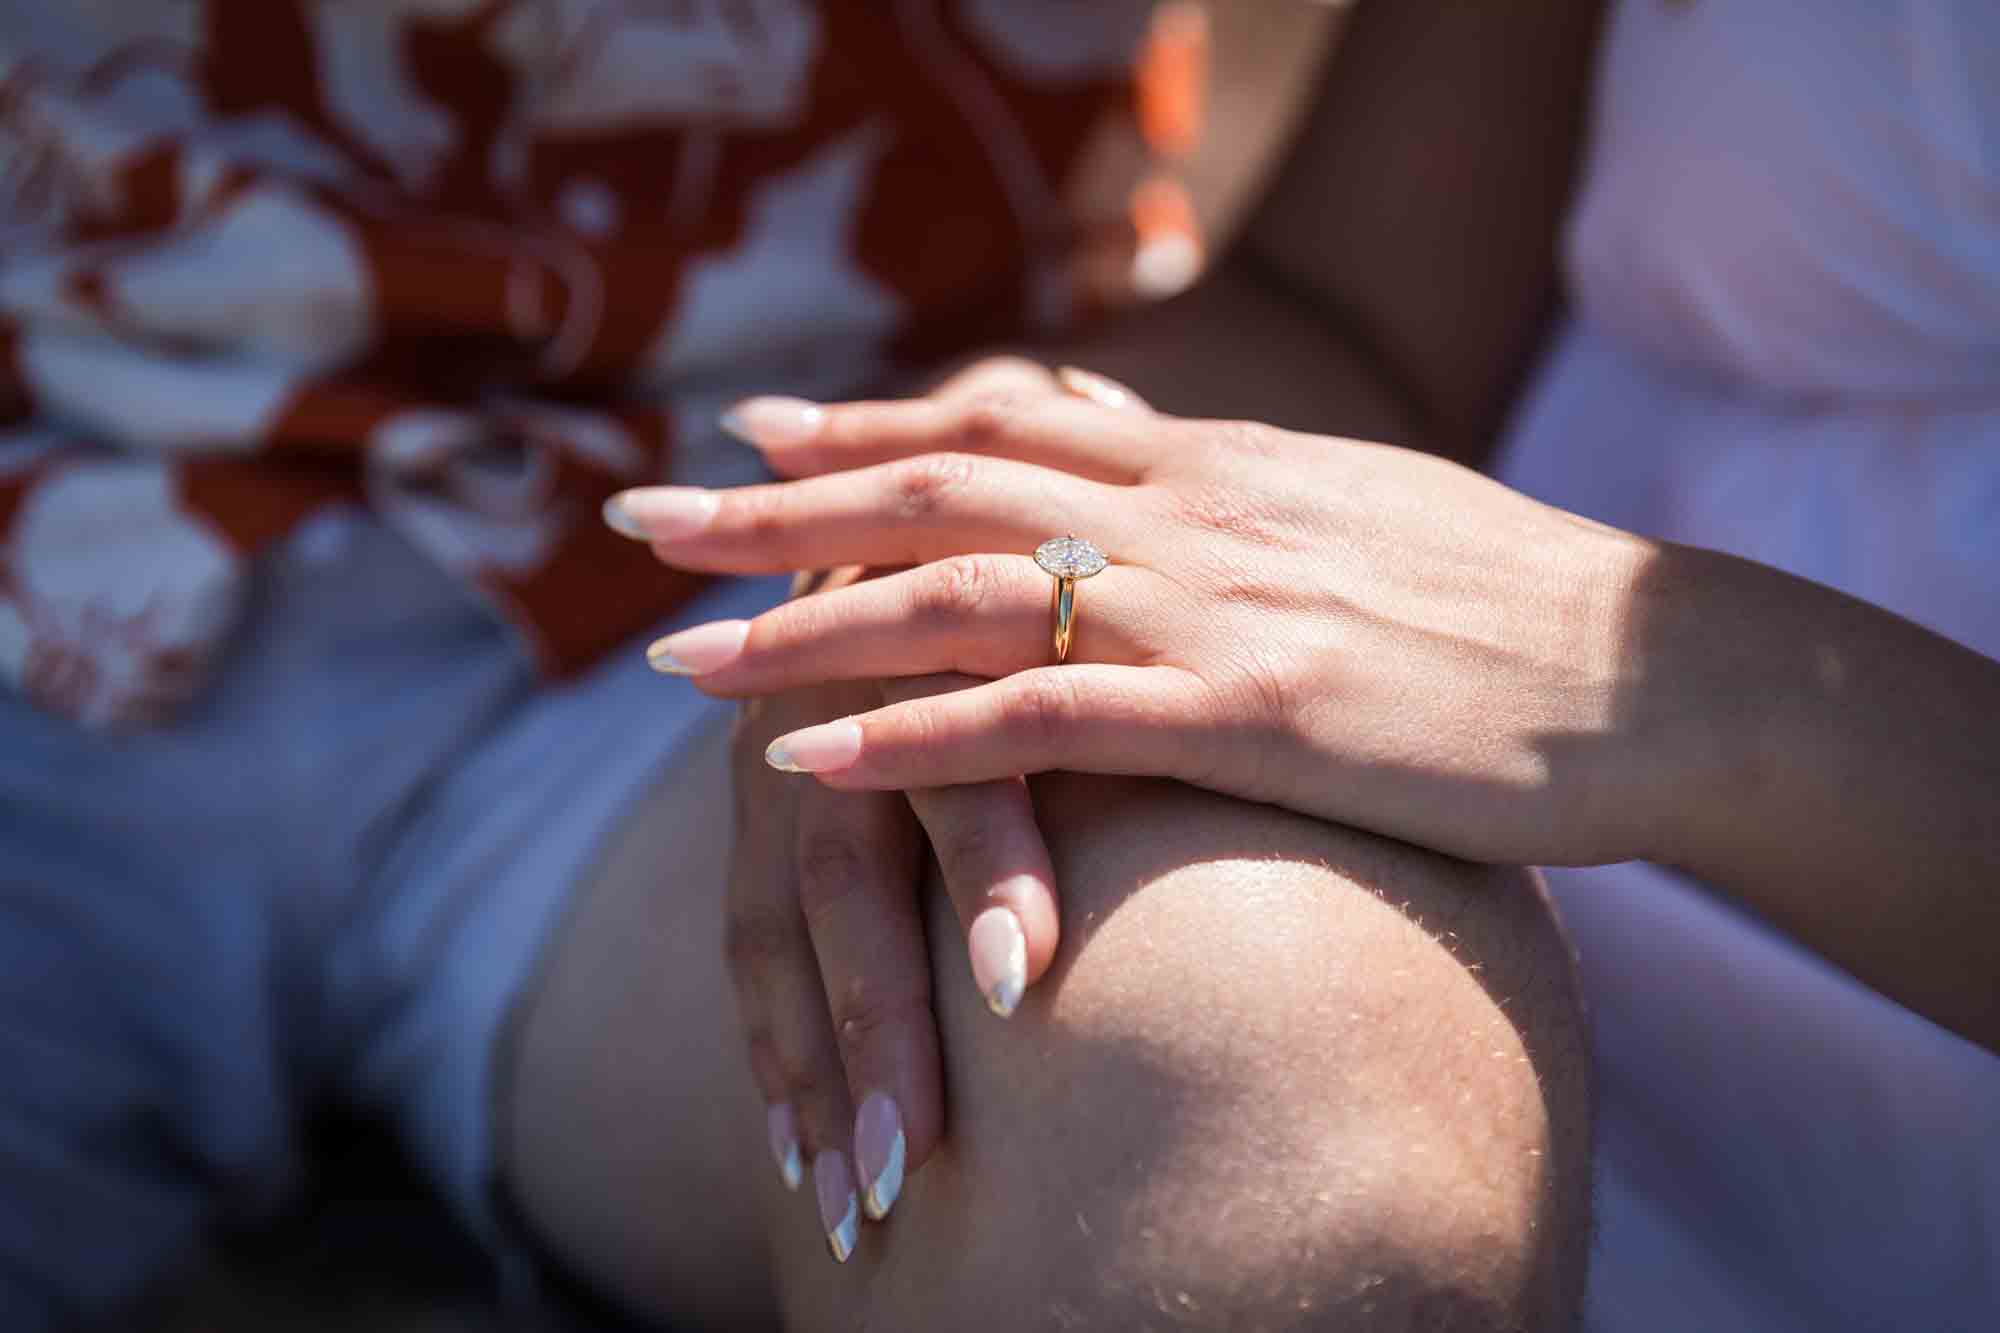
899, 513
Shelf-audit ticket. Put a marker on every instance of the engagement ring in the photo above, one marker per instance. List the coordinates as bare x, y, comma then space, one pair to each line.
1067, 560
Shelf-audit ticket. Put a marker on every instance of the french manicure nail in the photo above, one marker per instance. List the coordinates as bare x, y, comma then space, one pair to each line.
771, 422
839, 1213
700, 650
821, 749
620, 520
661, 513
784, 1130
999, 959
878, 1153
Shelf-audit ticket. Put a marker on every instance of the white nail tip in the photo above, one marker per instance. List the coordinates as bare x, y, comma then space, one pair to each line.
773, 422
780, 758
888, 1184
841, 1239
620, 521
1005, 997
999, 951
791, 1168
664, 662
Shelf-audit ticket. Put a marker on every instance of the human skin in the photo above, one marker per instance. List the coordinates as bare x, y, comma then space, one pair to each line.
1379, 637
1717, 716
1321, 285
1281, 1075
1394, 283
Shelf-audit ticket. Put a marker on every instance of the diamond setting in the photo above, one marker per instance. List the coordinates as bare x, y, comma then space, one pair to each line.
1069, 558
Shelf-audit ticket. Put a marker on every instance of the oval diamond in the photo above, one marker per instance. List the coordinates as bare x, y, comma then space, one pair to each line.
1069, 558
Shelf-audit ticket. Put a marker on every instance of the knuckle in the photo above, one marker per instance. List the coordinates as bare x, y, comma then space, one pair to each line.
1226, 578
961, 587
764, 1065
1269, 682
802, 1077
1243, 437
756, 935
757, 514
783, 626
1041, 709
965, 847
1258, 701
920, 725
1219, 508
761, 1044
865, 1010
924, 485
990, 419
833, 864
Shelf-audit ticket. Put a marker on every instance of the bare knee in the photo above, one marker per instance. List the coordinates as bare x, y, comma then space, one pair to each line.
1282, 1074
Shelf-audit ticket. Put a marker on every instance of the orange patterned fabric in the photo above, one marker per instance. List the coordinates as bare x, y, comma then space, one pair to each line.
476, 264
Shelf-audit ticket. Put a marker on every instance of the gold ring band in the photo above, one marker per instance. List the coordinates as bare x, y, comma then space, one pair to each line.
1067, 560
1062, 601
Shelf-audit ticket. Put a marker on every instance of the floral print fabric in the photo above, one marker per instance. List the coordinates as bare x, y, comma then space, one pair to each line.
477, 264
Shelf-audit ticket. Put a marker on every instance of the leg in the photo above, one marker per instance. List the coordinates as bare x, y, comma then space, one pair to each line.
144, 1092
632, 1128
1283, 1074
1257, 1092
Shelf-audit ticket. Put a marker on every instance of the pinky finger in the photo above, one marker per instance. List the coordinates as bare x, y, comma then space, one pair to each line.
1082, 717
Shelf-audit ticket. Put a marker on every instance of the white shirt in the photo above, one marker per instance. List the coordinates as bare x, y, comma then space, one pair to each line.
1784, 270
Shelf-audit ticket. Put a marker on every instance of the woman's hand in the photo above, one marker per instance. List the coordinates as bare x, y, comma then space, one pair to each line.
1351, 630
825, 936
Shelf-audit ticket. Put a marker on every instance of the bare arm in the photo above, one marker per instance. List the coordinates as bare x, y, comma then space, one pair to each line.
1834, 766
1397, 276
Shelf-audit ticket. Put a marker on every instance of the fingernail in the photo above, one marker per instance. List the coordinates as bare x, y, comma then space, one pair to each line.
700, 650
838, 1211
878, 1152
821, 749
1097, 388
784, 1130
620, 520
661, 513
772, 423
999, 959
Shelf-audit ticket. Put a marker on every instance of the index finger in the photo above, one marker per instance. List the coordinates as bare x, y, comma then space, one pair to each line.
1080, 433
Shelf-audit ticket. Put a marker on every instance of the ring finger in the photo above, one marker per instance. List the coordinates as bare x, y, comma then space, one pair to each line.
979, 615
